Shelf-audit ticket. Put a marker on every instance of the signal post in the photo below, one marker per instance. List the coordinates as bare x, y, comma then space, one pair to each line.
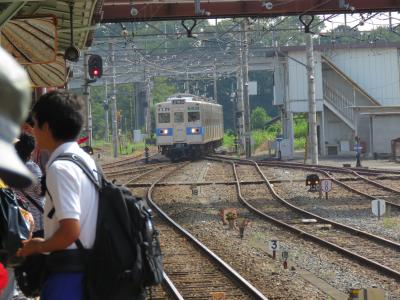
93, 69
86, 95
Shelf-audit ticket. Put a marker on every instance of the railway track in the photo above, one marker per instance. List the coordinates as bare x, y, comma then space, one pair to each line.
363, 171
352, 181
193, 271
368, 249
130, 160
226, 180
128, 172
371, 189
137, 175
196, 271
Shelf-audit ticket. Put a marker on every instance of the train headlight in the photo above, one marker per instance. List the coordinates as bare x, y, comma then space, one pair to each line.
163, 131
195, 130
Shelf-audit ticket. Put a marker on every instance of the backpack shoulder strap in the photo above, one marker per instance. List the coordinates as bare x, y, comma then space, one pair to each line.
34, 203
76, 159
82, 164
84, 167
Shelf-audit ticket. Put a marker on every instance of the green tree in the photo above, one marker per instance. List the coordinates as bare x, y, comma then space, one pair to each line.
162, 89
342, 35
383, 34
258, 118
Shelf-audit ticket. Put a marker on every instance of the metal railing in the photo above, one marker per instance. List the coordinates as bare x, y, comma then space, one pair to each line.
339, 101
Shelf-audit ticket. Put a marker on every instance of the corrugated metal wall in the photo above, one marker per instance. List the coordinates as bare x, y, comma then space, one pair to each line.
375, 70
298, 85
389, 126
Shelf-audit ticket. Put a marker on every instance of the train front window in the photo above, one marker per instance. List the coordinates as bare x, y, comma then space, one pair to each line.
163, 118
178, 117
193, 116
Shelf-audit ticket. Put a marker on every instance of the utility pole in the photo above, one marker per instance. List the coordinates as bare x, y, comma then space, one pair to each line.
149, 104
187, 90
106, 110
137, 105
312, 115
215, 81
114, 104
86, 94
131, 108
239, 99
234, 109
245, 74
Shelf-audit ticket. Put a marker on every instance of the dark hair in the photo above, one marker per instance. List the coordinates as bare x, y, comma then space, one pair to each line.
62, 112
29, 120
25, 146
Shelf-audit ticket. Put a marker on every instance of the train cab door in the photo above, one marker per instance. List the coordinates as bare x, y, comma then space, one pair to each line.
179, 126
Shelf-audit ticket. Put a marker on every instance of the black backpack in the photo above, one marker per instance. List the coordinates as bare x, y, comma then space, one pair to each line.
13, 228
126, 255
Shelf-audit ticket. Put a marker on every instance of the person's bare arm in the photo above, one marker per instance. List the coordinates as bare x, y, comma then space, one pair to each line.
67, 233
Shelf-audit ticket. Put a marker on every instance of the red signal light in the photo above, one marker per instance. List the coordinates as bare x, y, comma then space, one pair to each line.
95, 66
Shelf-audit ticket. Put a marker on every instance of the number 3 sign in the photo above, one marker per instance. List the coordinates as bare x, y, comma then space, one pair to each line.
273, 245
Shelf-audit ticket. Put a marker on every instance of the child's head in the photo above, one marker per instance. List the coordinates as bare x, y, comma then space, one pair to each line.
25, 146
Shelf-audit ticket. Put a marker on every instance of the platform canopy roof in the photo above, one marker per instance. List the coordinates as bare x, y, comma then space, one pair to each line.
147, 10
38, 32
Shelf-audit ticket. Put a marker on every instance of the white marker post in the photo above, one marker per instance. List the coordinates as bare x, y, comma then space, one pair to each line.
326, 186
378, 207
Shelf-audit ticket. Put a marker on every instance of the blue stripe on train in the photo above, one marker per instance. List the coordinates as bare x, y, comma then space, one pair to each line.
160, 132
189, 130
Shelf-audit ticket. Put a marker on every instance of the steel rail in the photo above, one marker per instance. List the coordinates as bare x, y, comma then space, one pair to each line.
170, 287
126, 160
373, 171
129, 170
387, 188
324, 170
384, 269
224, 266
123, 160
357, 172
339, 182
142, 175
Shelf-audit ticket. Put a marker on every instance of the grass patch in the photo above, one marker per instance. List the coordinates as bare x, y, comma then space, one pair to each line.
228, 140
125, 148
299, 143
391, 223
261, 136
130, 148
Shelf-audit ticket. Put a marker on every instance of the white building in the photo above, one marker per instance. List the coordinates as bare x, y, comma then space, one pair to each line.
357, 94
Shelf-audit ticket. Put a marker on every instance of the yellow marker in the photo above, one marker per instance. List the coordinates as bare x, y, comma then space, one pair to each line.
218, 295
2, 184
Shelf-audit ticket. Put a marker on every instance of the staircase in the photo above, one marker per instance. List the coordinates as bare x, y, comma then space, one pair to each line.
339, 103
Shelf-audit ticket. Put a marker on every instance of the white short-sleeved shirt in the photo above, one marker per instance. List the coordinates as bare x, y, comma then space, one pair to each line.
73, 195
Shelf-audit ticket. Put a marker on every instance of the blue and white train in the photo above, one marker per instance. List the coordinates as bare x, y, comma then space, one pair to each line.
188, 126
